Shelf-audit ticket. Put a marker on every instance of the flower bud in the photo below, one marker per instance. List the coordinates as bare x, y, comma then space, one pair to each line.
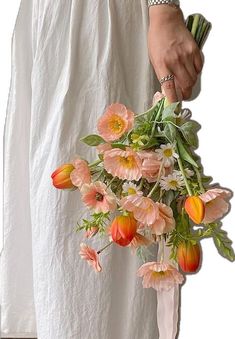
123, 229
195, 208
61, 177
189, 256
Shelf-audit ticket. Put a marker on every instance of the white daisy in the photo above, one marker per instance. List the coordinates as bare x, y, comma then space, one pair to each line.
167, 154
130, 188
187, 171
171, 182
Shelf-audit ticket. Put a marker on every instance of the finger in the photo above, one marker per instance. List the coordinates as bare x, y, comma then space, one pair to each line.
168, 87
198, 61
189, 65
183, 77
186, 93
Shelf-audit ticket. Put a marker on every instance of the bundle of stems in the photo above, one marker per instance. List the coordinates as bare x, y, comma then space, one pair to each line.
199, 27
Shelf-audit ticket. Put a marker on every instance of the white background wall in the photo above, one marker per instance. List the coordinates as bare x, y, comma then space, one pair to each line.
208, 298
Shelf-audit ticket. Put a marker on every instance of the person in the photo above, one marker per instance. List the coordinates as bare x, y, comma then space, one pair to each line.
70, 59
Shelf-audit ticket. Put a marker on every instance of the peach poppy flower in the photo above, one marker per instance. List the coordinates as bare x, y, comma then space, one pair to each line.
103, 148
160, 276
157, 97
116, 121
150, 165
124, 164
144, 209
216, 203
165, 221
92, 257
98, 197
91, 232
139, 240
81, 174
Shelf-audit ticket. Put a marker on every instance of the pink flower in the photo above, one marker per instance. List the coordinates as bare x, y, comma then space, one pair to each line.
81, 174
139, 240
216, 204
144, 209
157, 97
91, 232
123, 164
91, 256
98, 197
165, 221
150, 165
160, 276
116, 121
103, 148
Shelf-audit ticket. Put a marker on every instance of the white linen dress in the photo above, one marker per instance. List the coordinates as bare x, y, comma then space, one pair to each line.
71, 59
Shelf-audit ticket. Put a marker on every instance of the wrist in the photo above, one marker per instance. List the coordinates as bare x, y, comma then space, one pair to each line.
164, 13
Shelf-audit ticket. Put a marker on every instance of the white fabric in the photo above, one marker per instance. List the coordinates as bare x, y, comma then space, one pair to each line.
70, 59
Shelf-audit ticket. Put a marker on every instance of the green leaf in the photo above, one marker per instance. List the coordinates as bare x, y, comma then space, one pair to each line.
169, 110
170, 132
184, 154
189, 131
93, 140
223, 244
152, 142
118, 145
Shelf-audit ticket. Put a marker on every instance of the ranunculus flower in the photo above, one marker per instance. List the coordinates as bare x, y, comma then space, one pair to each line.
160, 276
139, 240
144, 209
123, 229
91, 256
98, 197
150, 165
195, 208
165, 221
116, 121
61, 177
216, 203
189, 256
81, 173
124, 164
91, 232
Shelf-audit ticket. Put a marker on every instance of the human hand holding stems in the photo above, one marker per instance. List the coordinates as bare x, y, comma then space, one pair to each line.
174, 49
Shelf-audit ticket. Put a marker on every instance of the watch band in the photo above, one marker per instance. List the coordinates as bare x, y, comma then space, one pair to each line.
163, 2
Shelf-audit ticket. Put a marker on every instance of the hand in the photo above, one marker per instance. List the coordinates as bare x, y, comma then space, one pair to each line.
173, 50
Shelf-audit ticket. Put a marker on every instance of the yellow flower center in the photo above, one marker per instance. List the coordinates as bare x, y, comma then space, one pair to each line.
127, 162
173, 183
168, 152
158, 274
131, 190
116, 124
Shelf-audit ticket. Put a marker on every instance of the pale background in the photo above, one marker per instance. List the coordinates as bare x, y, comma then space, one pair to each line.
208, 298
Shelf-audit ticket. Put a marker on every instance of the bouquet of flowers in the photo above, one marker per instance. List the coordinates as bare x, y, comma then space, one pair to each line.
147, 186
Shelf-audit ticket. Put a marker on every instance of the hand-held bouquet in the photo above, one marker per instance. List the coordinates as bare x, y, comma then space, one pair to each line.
147, 186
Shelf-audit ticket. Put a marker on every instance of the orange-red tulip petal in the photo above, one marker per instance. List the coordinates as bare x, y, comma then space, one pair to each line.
195, 208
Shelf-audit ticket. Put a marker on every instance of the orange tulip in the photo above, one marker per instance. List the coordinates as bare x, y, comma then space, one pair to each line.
189, 256
195, 208
61, 177
123, 229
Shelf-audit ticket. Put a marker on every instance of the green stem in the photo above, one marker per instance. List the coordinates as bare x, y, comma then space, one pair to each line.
157, 182
98, 252
150, 110
156, 118
95, 163
111, 181
184, 176
199, 180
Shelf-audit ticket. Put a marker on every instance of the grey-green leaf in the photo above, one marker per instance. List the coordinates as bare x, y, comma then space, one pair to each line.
189, 131
184, 154
170, 132
169, 110
93, 140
